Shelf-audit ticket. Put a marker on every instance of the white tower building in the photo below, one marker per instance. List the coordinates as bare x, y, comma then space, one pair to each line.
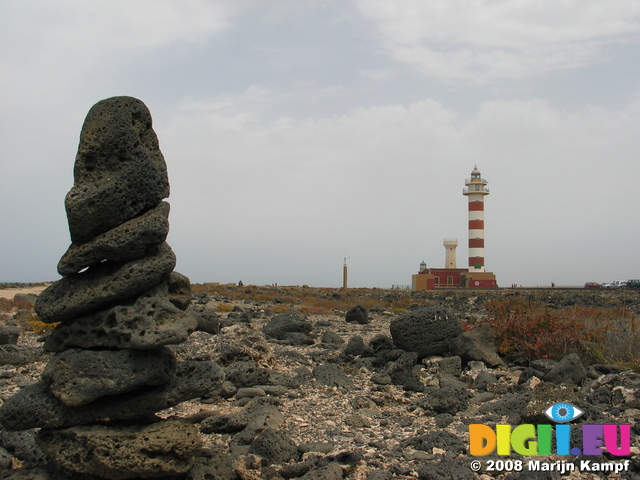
475, 190
450, 252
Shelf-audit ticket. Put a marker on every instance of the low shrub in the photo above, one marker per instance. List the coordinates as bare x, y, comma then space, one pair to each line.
36, 326
399, 310
224, 307
7, 305
534, 330
279, 308
314, 310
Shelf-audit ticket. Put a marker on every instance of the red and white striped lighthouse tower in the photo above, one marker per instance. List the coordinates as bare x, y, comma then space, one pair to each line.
476, 189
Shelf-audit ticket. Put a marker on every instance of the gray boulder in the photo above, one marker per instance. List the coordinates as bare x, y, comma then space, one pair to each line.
542, 365
447, 399
510, 404
128, 241
357, 314
78, 377
250, 392
207, 320
35, 406
119, 171
426, 331
567, 370
297, 339
331, 471
355, 346
149, 321
180, 293
285, 323
440, 439
102, 285
331, 375
9, 335
19, 354
476, 345
403, 369
148, 451
295, 470
380, 344
23, 447
332, 338
274, 446
483, 380
25, 297
263, 416
212, 463
255, 418
246, 373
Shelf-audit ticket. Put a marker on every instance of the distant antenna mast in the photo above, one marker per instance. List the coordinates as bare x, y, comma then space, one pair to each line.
344, 271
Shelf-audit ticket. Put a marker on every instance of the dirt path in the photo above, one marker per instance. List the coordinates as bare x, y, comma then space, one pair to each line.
10, 292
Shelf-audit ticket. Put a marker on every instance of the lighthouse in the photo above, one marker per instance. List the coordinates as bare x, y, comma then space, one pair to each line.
476, 189
473, 276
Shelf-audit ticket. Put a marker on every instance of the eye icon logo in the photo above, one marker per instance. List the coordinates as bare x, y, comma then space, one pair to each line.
563, 412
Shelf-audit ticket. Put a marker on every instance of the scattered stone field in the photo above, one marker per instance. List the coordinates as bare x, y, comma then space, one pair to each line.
316, 388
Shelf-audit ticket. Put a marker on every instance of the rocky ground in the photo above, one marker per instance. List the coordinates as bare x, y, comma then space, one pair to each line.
332, 399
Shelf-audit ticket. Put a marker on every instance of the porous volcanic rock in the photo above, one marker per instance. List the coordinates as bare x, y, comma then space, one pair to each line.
179, 290
148, 321
147, 451
119, 172
191, 379
9, 335
331, 375
355, 346
426, 330
118, 304
274, 446
287, 323
357, 314
568, 370
78, 377
130, 240
476, 345
103, 285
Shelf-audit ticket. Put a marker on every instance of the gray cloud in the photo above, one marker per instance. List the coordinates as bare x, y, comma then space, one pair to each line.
295, 132
482, 41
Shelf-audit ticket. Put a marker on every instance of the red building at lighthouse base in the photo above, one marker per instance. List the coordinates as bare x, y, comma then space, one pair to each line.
433, 278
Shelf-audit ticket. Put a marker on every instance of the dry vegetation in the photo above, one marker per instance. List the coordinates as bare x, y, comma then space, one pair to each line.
316, 301
530, 329
23, 315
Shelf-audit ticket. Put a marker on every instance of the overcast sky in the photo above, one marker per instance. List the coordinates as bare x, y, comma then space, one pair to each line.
297, 131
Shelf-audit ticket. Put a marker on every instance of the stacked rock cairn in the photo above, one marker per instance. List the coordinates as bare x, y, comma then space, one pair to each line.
119, 304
